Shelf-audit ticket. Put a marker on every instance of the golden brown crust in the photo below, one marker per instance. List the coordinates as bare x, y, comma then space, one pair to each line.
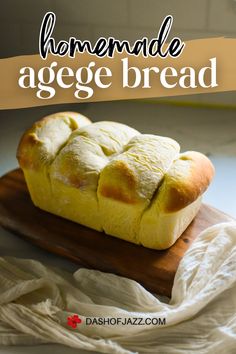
118, 194
31, 151
184, 184
133, 176
25, 148
123, 193
126, 173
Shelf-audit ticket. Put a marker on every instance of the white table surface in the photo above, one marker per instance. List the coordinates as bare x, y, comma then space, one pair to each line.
203, 130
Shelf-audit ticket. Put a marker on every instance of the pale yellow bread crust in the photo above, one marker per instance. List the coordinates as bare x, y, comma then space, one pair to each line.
110, 177
39, 147
81, 160
62, 156
35, 148
176, 202
134, 175
129, 181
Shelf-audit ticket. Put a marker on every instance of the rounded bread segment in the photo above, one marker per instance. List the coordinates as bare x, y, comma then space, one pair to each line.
79, 163
188, 178
110, 136
40, 144
87, 152
177, 201
128, 182
38, 148
75, 172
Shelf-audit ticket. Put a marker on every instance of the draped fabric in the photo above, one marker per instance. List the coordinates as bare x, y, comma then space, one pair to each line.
36, 301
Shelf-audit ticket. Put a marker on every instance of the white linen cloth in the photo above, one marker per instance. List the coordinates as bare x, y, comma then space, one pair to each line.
35, 301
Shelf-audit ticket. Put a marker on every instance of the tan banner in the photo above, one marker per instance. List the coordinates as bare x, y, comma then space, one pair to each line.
206, 65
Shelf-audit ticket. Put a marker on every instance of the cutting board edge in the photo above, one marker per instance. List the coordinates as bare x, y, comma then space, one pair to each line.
148, 283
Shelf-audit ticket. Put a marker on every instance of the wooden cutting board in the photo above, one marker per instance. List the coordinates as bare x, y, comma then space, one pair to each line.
153, 269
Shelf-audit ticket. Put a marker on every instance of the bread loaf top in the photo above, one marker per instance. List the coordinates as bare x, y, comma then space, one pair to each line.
135, 174
88, 150
40, 144
116, 160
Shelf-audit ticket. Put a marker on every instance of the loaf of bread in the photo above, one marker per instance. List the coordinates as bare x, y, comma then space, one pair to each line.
111, 178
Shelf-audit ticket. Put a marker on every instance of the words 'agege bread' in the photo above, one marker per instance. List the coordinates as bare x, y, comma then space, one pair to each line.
111, 178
